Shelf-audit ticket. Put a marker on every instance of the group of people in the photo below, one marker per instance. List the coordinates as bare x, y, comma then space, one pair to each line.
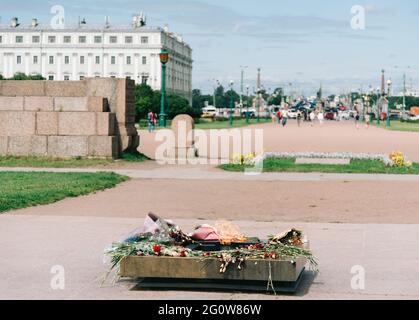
368, 118
282, 116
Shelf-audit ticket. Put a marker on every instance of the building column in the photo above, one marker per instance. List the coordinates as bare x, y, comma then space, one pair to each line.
59, 75
11, 65
5, 65
90, 65
121, 65
74, 65
137, 76
105, 61
27, 57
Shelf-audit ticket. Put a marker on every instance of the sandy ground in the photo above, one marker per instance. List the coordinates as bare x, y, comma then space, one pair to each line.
331, 137
325, 201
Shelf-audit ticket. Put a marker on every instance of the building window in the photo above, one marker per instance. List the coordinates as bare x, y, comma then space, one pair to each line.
51, 39
81, 77
98, 39
1, 39
67, 39
144, 40
113, 39
35, 39
128, 39
51, 59
19, 39
144, 79
97, 60
66, 78
128, 60
35, 59
144, 60
66, 60
113, 60
82, 39
18, 59
81, 59
51, 78
113, 77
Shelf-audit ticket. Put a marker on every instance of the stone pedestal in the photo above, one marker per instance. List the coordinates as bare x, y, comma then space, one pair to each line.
183, 127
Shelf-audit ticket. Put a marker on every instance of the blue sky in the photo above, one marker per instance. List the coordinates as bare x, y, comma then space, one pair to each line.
302, 42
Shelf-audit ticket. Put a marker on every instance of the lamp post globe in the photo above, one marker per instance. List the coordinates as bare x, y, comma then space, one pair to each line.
164, 58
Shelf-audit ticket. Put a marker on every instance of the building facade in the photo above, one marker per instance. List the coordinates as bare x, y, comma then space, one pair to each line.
86, 52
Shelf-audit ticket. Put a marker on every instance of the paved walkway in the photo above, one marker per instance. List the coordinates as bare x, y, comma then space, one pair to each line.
200, 172
388, 253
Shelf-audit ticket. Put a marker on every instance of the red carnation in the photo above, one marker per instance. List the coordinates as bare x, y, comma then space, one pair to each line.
157, 249
182, 254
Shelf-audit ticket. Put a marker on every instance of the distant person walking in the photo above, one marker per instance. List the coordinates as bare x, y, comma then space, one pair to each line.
368, 120
320, 116
299, 117
279, 116
357, 119
312, 118
152, 121
284, 118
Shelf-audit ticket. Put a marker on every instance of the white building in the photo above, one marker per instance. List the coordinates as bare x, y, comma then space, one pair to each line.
76, 53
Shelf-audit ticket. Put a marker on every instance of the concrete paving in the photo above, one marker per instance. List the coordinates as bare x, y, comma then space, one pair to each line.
32, 245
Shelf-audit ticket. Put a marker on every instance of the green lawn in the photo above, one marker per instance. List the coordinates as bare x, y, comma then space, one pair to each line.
46, 162
226, 124
208, 124
401, 126
25, 189
356, 166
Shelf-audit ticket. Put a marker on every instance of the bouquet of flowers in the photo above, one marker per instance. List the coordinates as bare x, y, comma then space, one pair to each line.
160, 237
398, 159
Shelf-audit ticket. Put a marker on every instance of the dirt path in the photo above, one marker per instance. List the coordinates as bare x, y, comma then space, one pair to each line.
325, 201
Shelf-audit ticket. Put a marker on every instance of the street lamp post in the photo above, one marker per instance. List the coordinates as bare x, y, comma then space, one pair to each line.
378, 106
241, 88
231, 103
404, 94
247, 104
164, 58
389, 83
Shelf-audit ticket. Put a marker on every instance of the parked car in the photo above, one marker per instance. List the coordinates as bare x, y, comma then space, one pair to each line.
292, 114
344, 115
330, 115
209, 112
414, 118
252, 114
